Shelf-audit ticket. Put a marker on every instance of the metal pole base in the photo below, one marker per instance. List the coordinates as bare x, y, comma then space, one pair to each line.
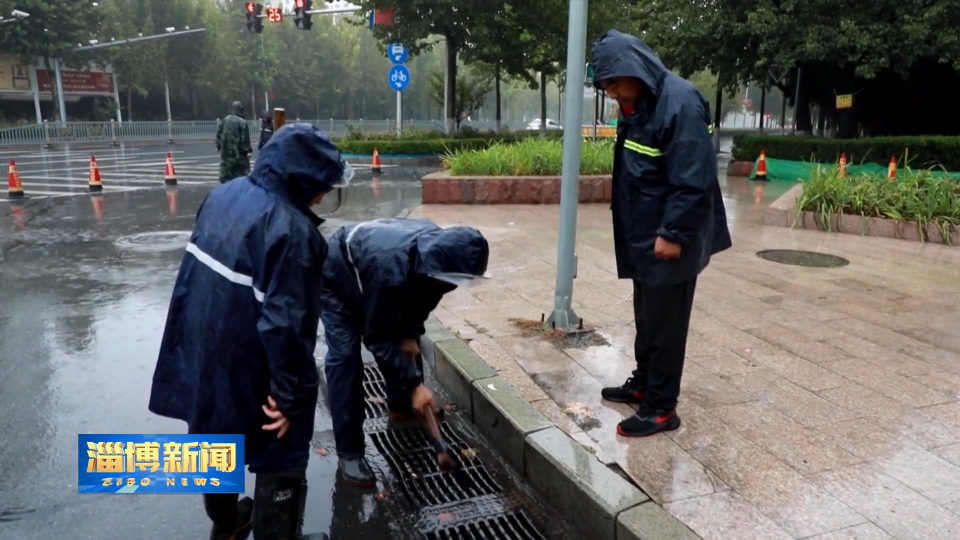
565, 321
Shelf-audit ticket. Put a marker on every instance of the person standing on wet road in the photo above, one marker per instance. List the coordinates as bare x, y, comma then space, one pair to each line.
668, 217
233, 143
237, 354
266, 128
381, 281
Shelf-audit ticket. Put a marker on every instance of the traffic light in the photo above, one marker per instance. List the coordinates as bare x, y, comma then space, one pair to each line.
303, 19
254, 19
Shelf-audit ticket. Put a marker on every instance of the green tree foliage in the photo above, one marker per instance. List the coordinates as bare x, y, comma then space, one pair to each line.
52, 27
472, 90
883, 51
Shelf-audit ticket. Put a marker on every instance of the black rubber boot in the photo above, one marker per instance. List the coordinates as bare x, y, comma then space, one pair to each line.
279, 502
232, 519
358, 472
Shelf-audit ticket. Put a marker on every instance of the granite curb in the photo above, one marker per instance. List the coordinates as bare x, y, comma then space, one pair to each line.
783, 213
568, 476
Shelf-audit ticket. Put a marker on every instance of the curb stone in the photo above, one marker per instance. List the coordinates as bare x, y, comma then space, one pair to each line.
577, 484
567, 475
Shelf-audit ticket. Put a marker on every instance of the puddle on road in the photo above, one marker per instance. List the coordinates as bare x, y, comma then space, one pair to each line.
155, 242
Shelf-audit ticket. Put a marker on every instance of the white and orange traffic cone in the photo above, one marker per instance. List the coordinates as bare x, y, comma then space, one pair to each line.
14, 187
94, 183
376, 162
169, 172
842, 171
761, 167
892, 169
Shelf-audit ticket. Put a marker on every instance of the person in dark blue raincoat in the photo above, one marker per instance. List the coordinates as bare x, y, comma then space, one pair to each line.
237, 354
381, 281
668, 217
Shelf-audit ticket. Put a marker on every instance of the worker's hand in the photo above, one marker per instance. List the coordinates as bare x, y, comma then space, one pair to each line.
410, 348
281, 423
423, 397
665, 249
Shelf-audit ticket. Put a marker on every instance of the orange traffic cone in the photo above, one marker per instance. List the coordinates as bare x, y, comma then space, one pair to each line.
172, 201
19, 215
169, 173
94, 183
842, 172
892, 169
97, 201
761, 167
14, 187
376, 162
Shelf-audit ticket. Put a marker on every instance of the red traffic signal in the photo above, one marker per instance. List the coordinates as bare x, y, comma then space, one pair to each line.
250, 7
300, 4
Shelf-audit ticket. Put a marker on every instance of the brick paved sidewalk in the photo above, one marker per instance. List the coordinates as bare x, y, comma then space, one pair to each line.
818, 403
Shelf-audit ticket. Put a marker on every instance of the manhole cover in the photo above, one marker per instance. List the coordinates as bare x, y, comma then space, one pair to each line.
797, 257
155, 242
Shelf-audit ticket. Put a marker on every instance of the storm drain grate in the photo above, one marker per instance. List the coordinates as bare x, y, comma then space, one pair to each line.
511, 526
414, 462
466, 504
374, 393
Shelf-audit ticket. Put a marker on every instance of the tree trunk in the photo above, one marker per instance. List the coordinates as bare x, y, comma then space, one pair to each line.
58, 114
543, 104
804, 121
497, 93
821, 120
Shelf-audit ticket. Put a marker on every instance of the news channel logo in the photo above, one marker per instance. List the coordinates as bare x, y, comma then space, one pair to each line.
149, 463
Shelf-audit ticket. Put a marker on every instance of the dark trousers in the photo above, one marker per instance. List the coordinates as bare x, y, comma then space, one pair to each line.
279, 502
663, 321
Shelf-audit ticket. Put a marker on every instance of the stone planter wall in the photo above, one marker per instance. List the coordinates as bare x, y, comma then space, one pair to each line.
740, 168
782, 213
441, 188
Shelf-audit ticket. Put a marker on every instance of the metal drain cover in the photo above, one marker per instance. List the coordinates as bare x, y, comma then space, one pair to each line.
798, 257
155, 242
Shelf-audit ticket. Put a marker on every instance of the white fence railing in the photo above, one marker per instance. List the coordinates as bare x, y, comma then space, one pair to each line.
95, 132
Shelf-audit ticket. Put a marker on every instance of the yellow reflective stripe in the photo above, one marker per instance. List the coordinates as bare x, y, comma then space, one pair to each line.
639, 148
710, 129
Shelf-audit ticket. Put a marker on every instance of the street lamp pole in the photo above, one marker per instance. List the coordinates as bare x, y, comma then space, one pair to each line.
563, 316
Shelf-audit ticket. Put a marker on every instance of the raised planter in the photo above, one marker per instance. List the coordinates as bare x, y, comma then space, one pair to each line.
442, 188
740, 168
783, 213
421, 160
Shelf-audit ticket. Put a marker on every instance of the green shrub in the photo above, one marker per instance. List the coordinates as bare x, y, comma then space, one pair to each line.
412, 147
528, 157
919, 152
427, 144
924, 197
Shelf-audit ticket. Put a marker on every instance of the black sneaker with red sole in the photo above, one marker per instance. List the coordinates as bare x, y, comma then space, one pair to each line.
628, 392
648, 422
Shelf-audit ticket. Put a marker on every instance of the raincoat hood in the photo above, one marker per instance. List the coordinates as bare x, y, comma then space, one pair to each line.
455, 251
299, 163
617, 54
236, 108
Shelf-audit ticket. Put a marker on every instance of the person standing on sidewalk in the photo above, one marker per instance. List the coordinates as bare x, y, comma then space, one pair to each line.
668, 217
381, 281
237, 354
233, 143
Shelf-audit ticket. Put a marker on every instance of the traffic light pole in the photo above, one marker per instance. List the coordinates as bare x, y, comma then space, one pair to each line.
563, 316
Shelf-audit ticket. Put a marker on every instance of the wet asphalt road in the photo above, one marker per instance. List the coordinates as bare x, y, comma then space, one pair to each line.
84, 288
